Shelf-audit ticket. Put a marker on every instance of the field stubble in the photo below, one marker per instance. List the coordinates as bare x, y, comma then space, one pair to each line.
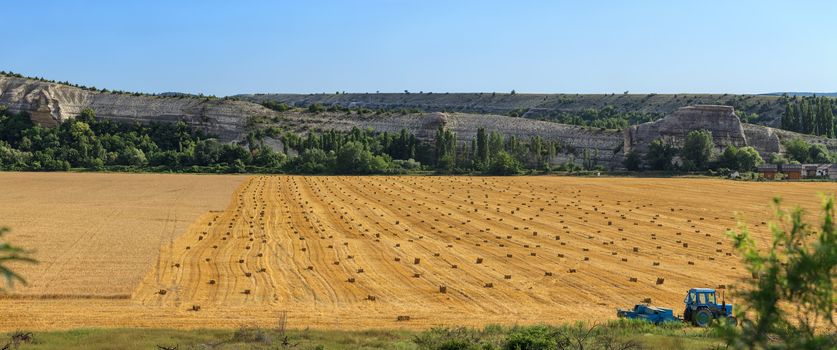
364, 252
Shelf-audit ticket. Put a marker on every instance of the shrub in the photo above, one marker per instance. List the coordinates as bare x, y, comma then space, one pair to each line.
531, 338
453, 339
796, 274
316, 108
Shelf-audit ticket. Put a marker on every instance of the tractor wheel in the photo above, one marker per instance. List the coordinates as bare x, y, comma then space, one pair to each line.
702, 318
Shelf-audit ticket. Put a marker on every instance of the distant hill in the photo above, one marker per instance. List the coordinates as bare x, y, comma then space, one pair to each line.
769, 108
806, 94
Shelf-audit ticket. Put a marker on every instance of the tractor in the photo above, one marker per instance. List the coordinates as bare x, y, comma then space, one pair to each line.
702, 306
701, 309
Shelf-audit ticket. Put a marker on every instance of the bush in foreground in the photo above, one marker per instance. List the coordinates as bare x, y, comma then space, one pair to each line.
789, 303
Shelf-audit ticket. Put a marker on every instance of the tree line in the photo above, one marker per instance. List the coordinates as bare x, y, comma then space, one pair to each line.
608, 117
696, 154
86, 142
492, 153
809, 115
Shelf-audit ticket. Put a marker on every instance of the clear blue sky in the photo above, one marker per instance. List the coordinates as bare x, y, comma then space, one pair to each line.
601, 46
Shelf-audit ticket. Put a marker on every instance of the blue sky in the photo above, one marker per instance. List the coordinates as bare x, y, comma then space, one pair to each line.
229, 47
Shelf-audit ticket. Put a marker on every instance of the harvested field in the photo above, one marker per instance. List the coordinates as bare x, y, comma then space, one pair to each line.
97, 235
384, 252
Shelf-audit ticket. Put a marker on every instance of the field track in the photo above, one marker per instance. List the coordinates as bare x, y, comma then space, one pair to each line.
357, 252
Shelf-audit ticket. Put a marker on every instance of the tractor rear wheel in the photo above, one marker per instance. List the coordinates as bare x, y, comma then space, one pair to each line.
702, 318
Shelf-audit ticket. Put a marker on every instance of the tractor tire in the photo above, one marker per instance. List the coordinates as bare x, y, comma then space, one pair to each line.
702, 318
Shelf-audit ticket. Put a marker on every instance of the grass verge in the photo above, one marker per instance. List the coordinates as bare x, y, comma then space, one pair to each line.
615, 334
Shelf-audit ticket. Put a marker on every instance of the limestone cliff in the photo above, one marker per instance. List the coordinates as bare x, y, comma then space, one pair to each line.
724, 125
51, 103
721, 121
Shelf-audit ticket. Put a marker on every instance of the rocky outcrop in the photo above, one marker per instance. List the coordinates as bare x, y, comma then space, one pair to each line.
724, 125
721, 121
764, 139
50, 103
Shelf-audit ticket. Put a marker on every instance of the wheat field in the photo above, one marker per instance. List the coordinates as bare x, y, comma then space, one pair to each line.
388, 252
97, 235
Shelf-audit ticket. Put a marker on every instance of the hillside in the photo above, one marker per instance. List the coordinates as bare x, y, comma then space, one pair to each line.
421, 114
50, 103
806, 94
536, 106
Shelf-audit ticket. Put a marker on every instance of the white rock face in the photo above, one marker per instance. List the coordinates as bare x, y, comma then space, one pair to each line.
50, 103
721, 121
724, 125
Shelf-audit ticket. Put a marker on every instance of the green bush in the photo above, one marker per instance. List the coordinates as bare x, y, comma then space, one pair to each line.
531, 338
455, 339
504, 164
789, 304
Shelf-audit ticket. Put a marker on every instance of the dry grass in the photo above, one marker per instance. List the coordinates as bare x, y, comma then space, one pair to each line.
366, 252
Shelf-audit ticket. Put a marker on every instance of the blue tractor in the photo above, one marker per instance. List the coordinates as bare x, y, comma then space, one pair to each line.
701, 308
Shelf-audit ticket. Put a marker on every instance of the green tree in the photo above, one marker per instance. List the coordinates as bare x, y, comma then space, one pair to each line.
132, 156
353, 158
482, 147
633, 161
13, 126
777, 158
10, 253
207, 152
313, 161
445, 145
798, 150
729, 158
267, 157
504, 164
748, 159
697, 149
790, 302
789, 118
818, 153
828, 118
232, 152
660, 155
